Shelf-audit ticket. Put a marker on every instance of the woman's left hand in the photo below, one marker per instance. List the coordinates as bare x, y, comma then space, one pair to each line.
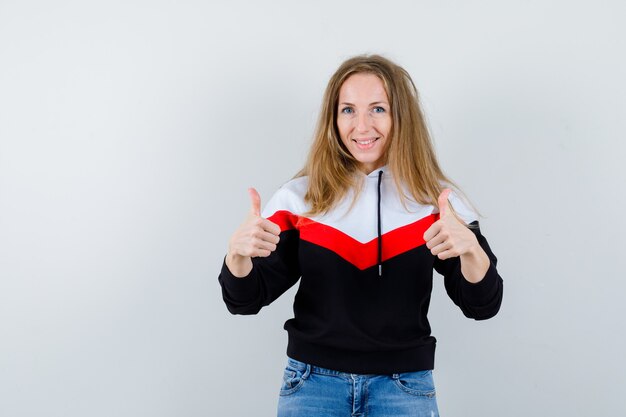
448, 238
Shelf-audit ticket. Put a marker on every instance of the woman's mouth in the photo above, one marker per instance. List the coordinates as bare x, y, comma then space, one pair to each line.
366, 143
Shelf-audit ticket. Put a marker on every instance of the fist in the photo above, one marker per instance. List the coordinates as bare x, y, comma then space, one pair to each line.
256, 237
448, 237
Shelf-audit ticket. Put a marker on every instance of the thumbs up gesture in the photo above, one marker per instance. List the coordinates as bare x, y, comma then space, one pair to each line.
448, 237
255, 237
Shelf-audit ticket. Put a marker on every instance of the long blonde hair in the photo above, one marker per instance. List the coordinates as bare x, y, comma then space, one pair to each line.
410, 155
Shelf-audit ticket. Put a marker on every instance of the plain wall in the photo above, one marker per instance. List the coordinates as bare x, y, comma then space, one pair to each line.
130, 130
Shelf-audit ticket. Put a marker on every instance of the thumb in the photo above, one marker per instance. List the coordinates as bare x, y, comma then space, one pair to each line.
443, 203
255, 198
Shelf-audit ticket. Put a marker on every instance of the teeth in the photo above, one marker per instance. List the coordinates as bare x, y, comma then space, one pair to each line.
365, 142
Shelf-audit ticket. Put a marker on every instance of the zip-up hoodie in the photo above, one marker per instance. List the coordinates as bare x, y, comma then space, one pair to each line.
365, 278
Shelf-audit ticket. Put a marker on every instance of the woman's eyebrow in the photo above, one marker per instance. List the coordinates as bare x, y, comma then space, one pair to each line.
345, 103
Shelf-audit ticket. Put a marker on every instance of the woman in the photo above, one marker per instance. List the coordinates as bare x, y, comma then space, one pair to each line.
363, 225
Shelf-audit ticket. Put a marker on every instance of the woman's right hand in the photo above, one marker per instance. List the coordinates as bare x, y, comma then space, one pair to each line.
255, 237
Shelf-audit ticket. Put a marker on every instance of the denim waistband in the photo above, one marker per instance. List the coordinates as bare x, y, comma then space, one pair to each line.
301, 366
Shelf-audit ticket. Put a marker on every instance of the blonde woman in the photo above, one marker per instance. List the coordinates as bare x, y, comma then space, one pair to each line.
362, 226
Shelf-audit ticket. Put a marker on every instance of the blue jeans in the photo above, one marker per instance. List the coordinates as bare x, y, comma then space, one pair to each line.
311, 391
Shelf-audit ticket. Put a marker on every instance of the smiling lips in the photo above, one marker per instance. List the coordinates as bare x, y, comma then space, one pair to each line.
366, 143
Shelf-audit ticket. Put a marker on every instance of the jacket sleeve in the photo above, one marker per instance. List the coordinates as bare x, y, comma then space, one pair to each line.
270, 277
481, 300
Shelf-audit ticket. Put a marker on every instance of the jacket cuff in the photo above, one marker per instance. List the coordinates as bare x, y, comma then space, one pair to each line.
483, 291
236, 286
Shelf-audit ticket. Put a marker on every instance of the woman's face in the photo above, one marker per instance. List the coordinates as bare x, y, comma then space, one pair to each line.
364, 119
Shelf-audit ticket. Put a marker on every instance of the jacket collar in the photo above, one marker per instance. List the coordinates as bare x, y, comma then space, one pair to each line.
374, 173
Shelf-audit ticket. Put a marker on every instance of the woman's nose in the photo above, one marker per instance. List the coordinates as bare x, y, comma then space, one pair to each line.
363, 122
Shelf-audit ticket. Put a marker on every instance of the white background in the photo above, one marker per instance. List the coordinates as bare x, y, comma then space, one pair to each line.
129, 132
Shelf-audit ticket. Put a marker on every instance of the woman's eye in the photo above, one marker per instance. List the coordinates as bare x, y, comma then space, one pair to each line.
378, 109
347, 110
